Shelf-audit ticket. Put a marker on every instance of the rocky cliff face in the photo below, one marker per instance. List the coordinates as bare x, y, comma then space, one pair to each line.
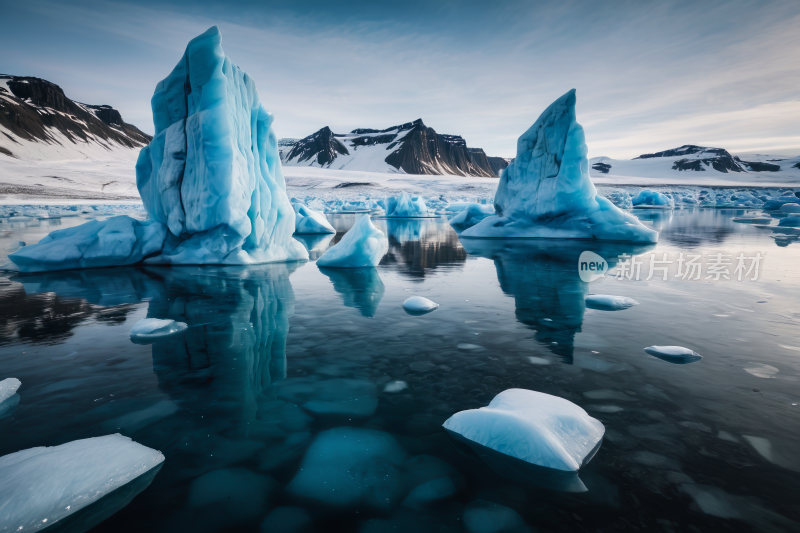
33, 109
703, 157
412, 148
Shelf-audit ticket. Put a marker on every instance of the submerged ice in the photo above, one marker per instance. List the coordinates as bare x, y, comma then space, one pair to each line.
546, 191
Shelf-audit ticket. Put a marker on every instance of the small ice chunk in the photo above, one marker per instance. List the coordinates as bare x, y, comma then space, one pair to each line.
790, 208
154, 328
8, 387
50, 483
674, 354
395, 386
607, 302
648, 198
532, 426
308, 221
363, 246
487, 517
539, 360
287, 520
418, 305
791, 221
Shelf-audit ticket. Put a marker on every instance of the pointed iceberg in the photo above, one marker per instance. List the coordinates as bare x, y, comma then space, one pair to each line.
363, 246
309, 222
546, 191
210, 180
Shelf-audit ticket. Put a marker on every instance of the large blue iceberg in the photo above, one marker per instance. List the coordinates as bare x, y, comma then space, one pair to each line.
546, 191
210, 180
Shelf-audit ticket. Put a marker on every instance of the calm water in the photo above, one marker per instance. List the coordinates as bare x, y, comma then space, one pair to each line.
277, 356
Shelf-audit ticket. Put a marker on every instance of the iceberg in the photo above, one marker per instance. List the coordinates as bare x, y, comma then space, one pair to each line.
674, 354
471, 215
418, 305
363, 246
44, 485
308, 221
546, 191
210, 180
775, 204
791, 221
607, 302
653, 199
154, 328
530, 434
405, 206
785, 208
8, 387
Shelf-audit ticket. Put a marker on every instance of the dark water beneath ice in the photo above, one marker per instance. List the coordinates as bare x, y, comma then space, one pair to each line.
277, 357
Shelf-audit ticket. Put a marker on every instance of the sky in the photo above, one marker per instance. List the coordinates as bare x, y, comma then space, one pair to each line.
650, 75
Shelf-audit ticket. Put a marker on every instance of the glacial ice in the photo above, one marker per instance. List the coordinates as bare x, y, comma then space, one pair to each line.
648, 198
43, 485
791, 221
418, 305
363, 246
774, 204
488, 517
395, 386
471, 215
532, 426
154, 328
210, 180
790, 208
607, 302
8, 387
546, 191
309, 221
231, 495
406, 206
674, 354
120, 240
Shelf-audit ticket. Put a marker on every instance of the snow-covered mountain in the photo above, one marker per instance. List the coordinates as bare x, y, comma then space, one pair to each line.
700, 164
38, 122
410, 148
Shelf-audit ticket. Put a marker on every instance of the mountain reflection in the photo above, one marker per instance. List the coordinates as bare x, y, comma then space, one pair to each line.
419, 245
542, 277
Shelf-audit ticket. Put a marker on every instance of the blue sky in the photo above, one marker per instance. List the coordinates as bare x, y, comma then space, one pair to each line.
649, 75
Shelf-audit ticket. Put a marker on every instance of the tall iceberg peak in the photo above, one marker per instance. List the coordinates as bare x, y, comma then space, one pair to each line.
546, 191
212, 173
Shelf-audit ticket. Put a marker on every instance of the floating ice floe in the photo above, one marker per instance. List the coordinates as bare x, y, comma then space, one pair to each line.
607, 302
791, 221
210, 180
774, 204
308, 221
8, 387
418, 305
405, 206
653, 199
790, 208
471, 215
155, 328
546, 191
363, 246
41, 486
530, 435
674, 354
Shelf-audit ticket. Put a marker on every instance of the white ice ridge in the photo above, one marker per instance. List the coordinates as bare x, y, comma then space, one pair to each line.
419, 304
153, 328
8, 387
40, 486
363, 246
211, 179
532, 426
308, 221
546, 191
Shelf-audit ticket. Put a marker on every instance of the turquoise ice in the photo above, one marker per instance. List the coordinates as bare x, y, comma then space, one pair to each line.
363, 246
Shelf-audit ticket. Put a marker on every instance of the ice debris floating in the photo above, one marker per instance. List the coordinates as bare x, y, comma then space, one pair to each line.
607, 302
471, 215
791, 221
653, 199
210, 180
363, 246
674, 354
43, 485
154, 328
546, 191
418, 305
308, 221
8, 387
405, 206
530, 434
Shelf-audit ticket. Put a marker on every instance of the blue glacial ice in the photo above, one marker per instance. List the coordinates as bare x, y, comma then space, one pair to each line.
210, 180
607, 302
43, 485
791, 221
120, 240
419, 305
790, 208
471, 215
308, 221
534, 427
406, 206
362, 246
674, 354
8, 388
155, 328
774, 204
546, 191
653, 199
